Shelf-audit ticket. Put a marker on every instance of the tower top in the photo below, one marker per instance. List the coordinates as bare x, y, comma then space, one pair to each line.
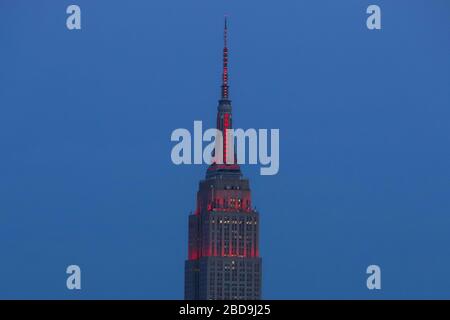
225, 86
225, 29
227, 168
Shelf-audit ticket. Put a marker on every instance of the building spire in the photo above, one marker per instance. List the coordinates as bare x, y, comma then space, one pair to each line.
225, 62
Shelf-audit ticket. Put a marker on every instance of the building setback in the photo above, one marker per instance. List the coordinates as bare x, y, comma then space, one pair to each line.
223, 250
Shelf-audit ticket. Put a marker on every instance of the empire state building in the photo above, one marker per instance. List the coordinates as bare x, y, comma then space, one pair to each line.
223, 250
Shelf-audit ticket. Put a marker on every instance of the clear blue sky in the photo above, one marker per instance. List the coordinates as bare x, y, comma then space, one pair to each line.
86, 117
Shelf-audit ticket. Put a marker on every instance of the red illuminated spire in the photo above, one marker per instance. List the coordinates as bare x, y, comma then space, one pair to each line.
225, 62
224, 119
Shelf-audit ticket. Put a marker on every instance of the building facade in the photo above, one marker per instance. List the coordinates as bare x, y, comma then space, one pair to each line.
223, 250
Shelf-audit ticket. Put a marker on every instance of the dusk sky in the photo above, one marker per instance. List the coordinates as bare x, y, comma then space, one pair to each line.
86, 115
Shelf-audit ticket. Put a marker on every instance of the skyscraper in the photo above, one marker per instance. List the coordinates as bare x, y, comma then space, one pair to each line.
223, 251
